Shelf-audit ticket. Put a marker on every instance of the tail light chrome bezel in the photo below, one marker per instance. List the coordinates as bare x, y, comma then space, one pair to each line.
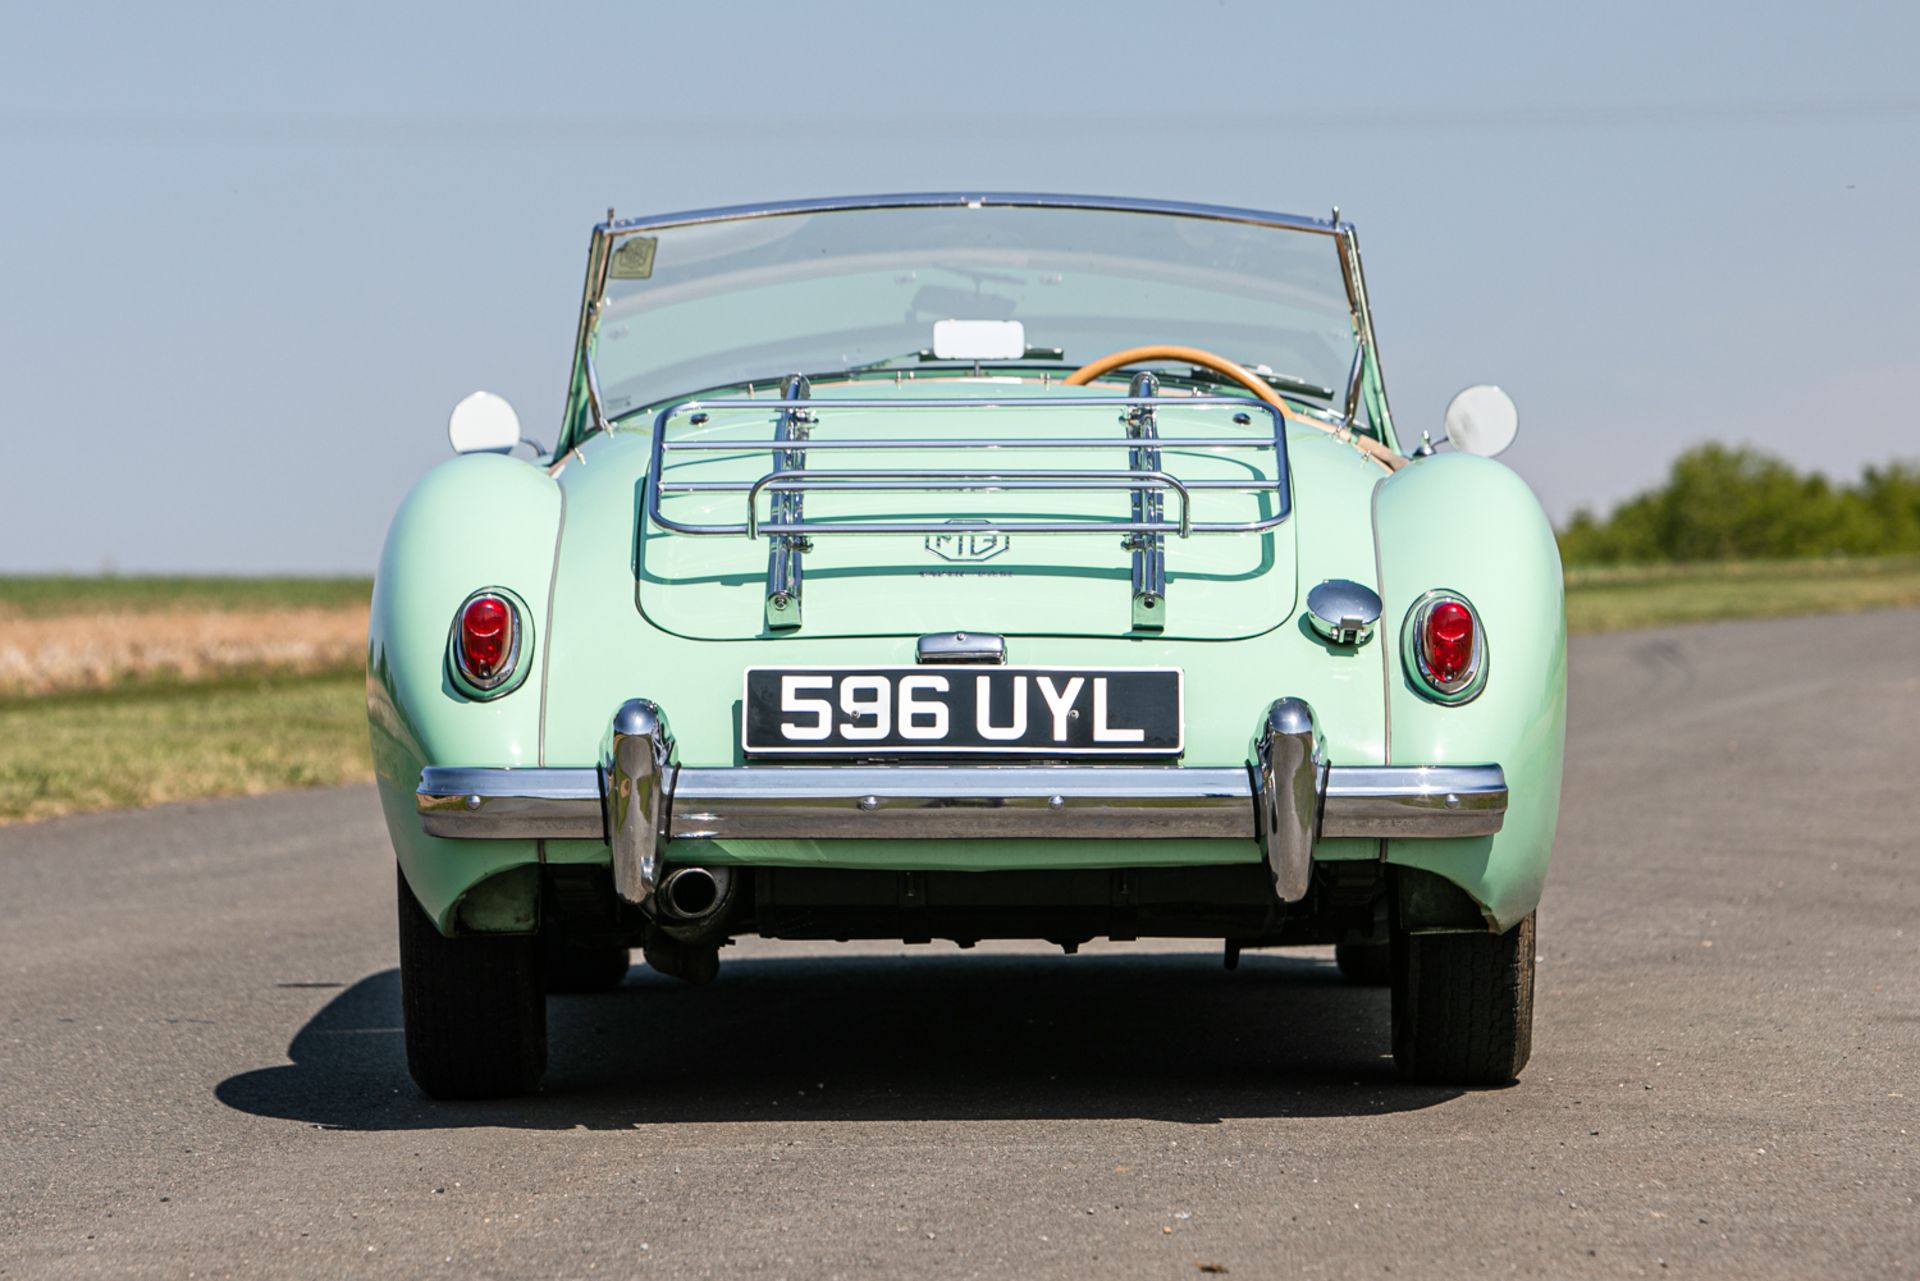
513, 670
1413, 648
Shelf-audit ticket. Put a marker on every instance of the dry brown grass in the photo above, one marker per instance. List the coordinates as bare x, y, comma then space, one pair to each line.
62, 653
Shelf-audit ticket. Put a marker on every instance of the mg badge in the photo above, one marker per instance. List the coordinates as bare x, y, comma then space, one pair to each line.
967, 545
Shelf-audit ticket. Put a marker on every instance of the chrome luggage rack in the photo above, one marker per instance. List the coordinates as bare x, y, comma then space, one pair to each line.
790, 480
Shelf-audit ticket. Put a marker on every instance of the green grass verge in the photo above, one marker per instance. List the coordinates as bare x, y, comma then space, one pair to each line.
110, 748
1614, 599
166, 740
47, 595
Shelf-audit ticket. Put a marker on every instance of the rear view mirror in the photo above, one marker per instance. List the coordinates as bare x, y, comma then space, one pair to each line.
483, 423
1482, 420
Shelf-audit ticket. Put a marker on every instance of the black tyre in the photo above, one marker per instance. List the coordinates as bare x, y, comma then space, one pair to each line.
475, 1009
1369, 964
584, 965
1463, 1006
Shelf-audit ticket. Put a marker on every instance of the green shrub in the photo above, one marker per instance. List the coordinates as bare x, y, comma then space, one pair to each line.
1725, 503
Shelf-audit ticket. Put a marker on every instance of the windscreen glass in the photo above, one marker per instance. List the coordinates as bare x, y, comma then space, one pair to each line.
749, 300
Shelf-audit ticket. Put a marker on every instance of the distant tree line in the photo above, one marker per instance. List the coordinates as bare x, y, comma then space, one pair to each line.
1726, 503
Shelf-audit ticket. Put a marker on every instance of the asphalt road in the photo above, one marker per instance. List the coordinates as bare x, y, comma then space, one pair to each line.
201, 1071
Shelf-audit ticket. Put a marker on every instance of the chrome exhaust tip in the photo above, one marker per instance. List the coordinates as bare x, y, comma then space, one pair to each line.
695, 893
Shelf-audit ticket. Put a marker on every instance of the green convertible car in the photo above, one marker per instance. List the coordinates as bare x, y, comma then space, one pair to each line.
968, 566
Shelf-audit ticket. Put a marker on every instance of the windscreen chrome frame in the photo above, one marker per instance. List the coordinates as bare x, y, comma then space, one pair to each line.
584, 380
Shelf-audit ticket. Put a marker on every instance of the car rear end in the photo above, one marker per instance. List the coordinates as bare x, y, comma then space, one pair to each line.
971, 698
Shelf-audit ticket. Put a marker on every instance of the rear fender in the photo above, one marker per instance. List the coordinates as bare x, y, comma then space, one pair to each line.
480, 520
1471, 525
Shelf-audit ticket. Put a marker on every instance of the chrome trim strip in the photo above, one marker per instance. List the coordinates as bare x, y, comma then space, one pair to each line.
914, 802
596, 404
1351, 413
1347, 245
510, 804
584, 377
932, 802
977, 200
1425, 801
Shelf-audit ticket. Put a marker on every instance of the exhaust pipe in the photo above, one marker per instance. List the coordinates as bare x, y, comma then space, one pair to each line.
691, 912
693, 893
691, 963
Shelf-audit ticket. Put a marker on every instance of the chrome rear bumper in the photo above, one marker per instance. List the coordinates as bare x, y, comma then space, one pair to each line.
639, 799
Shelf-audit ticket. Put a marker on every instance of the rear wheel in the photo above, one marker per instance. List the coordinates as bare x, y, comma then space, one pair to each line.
475, 1009
1463, 1005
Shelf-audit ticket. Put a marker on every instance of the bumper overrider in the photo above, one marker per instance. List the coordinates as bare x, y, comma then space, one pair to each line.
640, 799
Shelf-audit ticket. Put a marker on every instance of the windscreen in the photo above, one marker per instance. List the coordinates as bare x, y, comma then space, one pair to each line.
751, 299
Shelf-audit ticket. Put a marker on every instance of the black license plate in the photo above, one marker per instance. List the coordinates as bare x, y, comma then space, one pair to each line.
962, 711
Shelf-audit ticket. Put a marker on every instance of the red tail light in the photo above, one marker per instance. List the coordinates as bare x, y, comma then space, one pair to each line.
1445, 651
486, 639
1448, 640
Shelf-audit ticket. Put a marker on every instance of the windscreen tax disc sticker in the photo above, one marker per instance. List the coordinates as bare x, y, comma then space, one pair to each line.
633, 260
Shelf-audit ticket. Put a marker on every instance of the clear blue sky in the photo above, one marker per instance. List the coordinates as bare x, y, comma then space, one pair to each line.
250, 255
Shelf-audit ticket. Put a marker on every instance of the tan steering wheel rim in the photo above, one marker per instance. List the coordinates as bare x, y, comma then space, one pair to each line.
1221, 365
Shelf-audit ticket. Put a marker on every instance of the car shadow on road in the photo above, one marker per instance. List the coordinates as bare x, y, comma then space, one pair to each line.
1170, 1037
